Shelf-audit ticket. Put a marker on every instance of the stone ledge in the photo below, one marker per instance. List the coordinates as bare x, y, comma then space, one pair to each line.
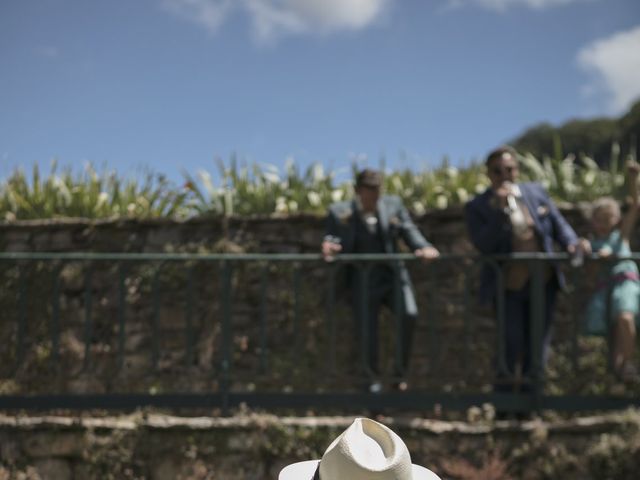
152, 446
154, 421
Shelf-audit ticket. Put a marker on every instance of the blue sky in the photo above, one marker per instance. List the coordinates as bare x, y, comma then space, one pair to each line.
173, 84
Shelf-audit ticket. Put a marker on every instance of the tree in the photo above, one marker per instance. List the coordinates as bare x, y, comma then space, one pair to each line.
593, 137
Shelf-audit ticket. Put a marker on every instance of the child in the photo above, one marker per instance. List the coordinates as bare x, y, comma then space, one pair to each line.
621, 279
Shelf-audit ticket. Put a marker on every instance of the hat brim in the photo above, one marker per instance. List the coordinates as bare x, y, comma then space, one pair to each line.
306, 470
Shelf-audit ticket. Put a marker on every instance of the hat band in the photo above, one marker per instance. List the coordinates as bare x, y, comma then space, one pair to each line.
316, 475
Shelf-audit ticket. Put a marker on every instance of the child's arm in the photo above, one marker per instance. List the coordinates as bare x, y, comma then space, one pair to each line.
629, 220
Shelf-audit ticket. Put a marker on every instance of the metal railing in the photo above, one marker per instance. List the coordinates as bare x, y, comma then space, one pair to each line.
80, 299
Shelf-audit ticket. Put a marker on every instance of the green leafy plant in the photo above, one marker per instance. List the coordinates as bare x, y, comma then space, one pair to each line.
238, 188
88, 194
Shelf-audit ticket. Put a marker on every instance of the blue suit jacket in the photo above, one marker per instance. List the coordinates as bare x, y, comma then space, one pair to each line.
490, 229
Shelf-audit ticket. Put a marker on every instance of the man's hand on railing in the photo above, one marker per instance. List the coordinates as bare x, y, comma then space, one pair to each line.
578, 250
427, 254
329, 249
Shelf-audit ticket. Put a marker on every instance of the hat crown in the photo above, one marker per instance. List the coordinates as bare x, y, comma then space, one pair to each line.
367, 450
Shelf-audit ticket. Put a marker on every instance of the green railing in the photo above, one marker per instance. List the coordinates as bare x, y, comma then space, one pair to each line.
69, 332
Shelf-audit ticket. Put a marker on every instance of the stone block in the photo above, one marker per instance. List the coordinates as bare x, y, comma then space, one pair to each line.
172, 317
61, 240
157, 239
165, 469
9, 451
54, 444
53, 469
16, 240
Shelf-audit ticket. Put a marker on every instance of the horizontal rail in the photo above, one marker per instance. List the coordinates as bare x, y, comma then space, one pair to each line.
398, 400
284, 257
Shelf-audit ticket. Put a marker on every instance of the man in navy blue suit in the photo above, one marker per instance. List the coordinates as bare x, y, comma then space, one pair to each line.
510, 217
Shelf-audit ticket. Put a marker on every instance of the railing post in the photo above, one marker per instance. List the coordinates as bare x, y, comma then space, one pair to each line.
55, 317
226, 335
331, 317
122, 299
363, 316
576, 302
607, 265
432, 318
188, 357
264, 343
88, 321
22, 316
155, 340
466, 301
297, 327
537, 328
399, 318
501, 320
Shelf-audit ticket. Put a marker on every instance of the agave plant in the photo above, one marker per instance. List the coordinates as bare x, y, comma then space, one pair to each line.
576, 179
245, 189
88, 194
264, 189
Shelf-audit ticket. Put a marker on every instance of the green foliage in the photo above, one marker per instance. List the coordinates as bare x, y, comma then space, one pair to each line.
88, 194
439, 188
571, 179
264, 189
245, 190
615, 456
590, 137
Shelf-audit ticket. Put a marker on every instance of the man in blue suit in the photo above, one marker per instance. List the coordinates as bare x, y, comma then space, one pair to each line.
510, 217
374, 223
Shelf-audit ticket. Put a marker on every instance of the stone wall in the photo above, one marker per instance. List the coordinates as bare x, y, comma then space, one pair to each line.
453, 347
256, 447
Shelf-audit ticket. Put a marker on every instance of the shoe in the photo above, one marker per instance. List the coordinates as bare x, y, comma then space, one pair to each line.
401, 386
375, 387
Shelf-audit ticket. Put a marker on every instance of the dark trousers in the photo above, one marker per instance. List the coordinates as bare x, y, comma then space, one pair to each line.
516, 336
384, 291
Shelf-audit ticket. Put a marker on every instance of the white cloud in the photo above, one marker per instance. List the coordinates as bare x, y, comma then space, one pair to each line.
273, 18
207, 13
270, 21
614, 64
503, 5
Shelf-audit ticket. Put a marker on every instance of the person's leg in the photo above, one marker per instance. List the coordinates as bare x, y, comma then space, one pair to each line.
366, 320
551, 290
366, 307
624, 340
402, 304
551, 293
399, 298
513, 337
408, 328
373, 342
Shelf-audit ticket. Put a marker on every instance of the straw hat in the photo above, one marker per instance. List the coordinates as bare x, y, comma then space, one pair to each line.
367, 450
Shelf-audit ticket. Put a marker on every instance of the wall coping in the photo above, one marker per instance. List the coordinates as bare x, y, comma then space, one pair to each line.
160, 422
